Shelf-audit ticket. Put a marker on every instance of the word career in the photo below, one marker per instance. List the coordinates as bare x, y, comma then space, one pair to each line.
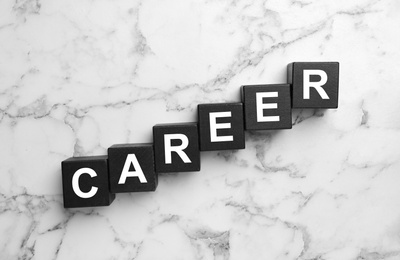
93, 181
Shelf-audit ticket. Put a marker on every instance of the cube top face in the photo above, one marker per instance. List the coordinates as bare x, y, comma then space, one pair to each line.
314, 84
267, 107
221, 126
132, 168
131, 145
85, 182
177, 125
96, 158
176, 147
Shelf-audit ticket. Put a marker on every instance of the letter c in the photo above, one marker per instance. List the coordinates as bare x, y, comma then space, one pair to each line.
75, 183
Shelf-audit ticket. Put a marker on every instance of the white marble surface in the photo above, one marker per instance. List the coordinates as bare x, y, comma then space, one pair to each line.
79, 76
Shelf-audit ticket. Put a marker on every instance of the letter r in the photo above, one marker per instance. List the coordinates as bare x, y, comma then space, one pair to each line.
178, 149
307, 84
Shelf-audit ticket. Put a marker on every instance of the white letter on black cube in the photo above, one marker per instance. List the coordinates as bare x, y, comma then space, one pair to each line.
131, 168
267, 107
314, 84
221, 126
85, 182
176, 147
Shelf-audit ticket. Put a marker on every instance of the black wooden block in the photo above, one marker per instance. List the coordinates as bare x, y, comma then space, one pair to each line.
221, 126
85, 182
131, 168
176, 147
267, 106
314, 84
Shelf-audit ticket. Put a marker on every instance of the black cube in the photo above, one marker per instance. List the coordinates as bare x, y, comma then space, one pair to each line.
314, 84
221, 126
85, 182
176, 147
132, 168
267, 107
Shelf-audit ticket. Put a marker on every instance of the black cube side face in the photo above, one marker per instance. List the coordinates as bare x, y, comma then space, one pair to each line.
314, 84
176, 147
85, 182
132, 168
267, 107
221, 126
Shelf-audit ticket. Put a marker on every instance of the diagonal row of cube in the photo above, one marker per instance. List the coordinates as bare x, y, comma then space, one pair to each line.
94, 181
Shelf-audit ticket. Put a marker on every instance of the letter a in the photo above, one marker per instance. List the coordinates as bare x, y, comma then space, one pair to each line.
138, 172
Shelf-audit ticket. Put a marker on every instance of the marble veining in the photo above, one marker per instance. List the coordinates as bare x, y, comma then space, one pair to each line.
79, 76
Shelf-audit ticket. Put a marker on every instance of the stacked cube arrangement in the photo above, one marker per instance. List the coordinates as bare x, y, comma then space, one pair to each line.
94, 181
